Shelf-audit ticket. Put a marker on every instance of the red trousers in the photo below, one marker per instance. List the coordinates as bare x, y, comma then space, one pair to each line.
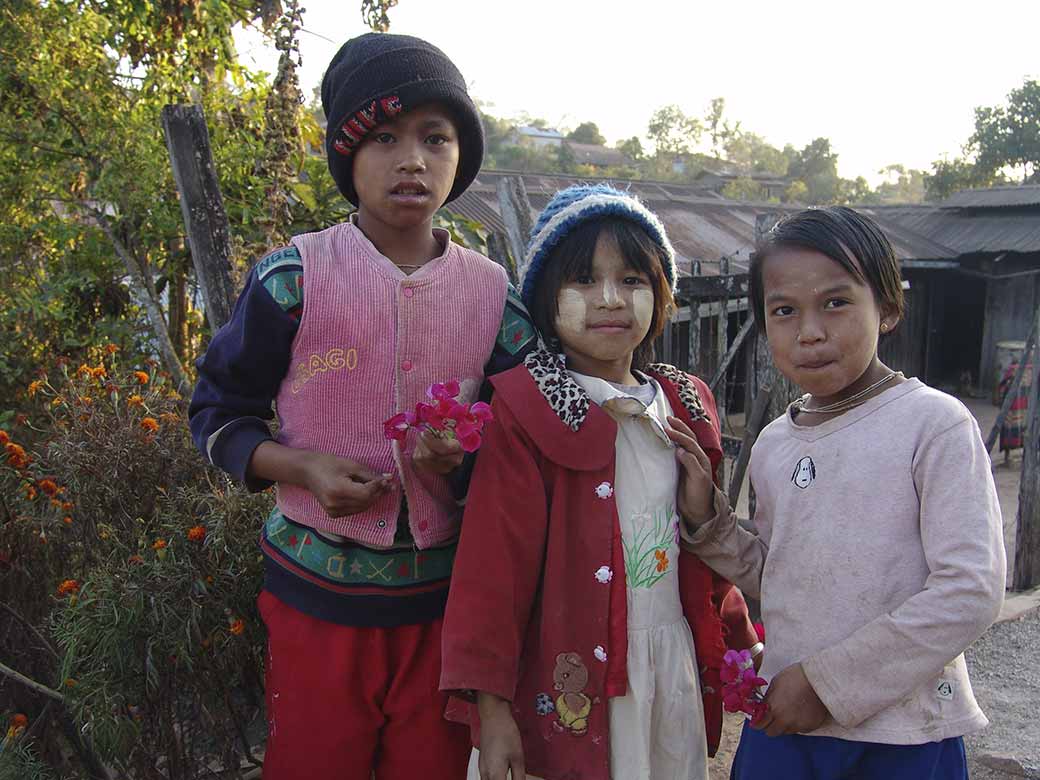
347, 703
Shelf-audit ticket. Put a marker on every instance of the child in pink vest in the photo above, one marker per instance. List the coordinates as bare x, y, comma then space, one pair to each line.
342, 329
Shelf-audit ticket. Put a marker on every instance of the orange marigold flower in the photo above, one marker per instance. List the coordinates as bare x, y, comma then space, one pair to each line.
150, 424
238, 626
16, 726
135, 400
173, 395
4, 438
56, 503
34, 387
66, 506
70, 683
98, 372
141, 377
67, 520
16, 455
170, 417
58, 401
30, 492
83, 370
84, 417
197, 533
48, 486
135, 559
67, 587
111, 349
159, 544
86, 400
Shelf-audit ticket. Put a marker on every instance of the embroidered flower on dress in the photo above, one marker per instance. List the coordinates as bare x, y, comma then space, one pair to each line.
604, 574
600, 653
662, 560
543, 704
604, 490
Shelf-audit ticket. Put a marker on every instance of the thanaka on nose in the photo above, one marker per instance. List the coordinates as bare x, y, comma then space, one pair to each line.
611, 293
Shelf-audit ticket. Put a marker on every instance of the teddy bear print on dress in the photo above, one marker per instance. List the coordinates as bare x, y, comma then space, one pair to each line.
572, 705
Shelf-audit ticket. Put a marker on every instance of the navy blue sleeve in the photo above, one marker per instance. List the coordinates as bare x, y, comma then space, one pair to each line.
241, 371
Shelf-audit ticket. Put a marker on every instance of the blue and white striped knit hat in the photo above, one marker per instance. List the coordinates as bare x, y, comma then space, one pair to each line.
575, 205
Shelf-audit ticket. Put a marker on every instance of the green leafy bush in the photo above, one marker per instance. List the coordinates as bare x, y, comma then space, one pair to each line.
130, 570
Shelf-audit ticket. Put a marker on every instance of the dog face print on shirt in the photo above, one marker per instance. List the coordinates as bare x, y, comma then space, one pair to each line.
804, 472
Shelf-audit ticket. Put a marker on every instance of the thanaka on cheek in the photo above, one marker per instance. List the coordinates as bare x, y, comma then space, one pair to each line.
570, 319
643, 309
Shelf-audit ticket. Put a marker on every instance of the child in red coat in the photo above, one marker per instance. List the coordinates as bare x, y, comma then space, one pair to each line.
590, 641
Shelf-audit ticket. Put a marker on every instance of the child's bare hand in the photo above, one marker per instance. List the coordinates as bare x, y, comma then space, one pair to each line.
696, 487
501, 750
343, 486
794, 707
437, 455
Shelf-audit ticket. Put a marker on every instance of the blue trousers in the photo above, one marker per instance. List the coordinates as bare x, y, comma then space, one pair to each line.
798, 757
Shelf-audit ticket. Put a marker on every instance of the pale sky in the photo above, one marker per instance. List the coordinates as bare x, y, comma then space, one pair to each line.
887, 81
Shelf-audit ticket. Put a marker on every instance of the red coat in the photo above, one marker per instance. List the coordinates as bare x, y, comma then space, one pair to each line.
528, 603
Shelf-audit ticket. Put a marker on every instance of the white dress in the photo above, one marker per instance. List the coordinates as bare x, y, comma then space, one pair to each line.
657, 728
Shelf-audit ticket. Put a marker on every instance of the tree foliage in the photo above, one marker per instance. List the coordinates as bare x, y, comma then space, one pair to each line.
673, 132
587, 133
1008, 137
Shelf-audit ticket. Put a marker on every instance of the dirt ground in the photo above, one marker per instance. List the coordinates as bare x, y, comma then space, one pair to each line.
1002, 662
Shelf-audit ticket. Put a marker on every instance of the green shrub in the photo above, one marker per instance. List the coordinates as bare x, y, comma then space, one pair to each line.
138, 565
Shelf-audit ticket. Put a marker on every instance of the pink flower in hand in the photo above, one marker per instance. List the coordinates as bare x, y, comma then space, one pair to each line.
396, 428
469, 422
444, 391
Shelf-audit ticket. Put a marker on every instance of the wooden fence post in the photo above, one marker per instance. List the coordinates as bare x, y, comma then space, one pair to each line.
205, 220
515, 209
1027, 535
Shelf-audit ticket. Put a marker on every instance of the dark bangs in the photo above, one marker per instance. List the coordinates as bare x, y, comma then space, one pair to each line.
841, 234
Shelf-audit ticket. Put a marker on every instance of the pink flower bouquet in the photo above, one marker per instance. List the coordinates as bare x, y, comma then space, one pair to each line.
444, 416
740, 684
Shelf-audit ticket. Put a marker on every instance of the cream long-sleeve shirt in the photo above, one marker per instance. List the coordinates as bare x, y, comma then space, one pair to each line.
879, 559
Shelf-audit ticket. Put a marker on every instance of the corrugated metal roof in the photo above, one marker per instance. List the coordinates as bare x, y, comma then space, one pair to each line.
995, 197
966, 232
702, 226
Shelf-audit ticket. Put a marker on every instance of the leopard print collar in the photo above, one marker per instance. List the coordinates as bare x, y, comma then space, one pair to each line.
688, 395
561, 392
571, 403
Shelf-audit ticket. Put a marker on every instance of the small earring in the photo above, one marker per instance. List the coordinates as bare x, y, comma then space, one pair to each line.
884, 327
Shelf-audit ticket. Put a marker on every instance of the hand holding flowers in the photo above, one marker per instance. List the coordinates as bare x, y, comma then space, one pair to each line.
448, 428
793, 706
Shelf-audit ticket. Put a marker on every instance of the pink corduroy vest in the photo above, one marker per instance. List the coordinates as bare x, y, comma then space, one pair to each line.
371, 340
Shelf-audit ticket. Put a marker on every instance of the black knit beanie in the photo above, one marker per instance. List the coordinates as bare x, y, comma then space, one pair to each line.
377, 76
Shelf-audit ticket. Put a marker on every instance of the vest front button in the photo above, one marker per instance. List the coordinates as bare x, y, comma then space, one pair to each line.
381, 524
406, 365
408, 292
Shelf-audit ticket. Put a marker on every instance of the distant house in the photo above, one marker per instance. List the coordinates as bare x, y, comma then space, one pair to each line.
978, 286
597, 156
716, 179
538, 137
